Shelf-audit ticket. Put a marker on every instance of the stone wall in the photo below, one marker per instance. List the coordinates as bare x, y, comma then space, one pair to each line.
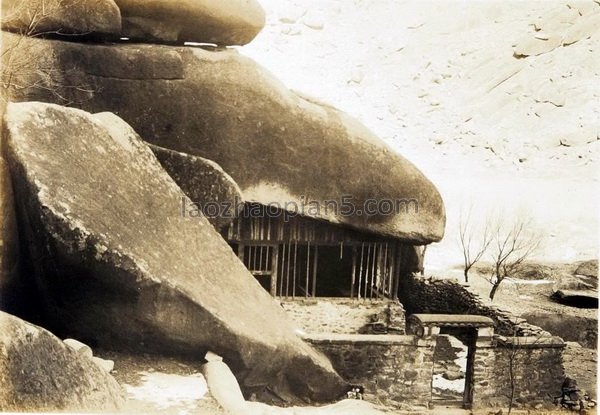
436, 296
346, 316
534, 363
395, 370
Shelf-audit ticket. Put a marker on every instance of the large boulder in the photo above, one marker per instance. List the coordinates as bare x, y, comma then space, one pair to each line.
224, 22
588, 269
118, 265
38, 372
61, 17
279, 147
212, 191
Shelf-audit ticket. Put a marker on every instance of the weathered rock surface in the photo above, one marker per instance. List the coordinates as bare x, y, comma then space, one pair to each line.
56, 17
104, 364
583, 278
588, 269
82, 349
230, 22
277, 146
211, 190
119, 265
40, 373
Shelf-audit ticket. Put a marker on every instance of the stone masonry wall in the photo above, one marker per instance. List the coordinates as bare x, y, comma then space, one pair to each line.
346, 316
535, 364
394, 370
436, 296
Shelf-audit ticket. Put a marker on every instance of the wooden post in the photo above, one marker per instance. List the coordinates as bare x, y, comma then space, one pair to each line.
362, 255
396, 283
295, 269
385, 269
241, 248
307, 269
367, 268
287, 277
282, 270
315, 259
374, 270
353, 279
274, 268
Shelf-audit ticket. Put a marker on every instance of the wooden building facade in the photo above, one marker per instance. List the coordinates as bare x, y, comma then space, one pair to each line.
301, 257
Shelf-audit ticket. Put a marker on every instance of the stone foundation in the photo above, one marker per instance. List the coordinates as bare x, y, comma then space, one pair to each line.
346, 316
395, 370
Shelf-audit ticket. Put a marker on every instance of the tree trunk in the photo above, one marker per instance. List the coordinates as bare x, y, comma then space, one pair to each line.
494, 289
466, 274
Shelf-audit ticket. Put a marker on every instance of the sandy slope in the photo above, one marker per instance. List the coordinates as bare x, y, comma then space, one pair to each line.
437, 80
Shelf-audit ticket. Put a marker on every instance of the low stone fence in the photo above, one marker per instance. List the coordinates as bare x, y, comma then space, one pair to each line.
438, 296
346, 316
527, 370
395, 370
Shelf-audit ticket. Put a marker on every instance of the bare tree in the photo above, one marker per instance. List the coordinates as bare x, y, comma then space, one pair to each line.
512, 246
17, 70
38, 18
472, 248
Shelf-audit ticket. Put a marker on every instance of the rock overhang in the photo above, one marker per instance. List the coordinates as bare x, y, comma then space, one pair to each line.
278, 146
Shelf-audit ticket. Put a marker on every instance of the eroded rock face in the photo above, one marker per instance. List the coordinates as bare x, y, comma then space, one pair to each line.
224, 22
56, 17
40, 373
277, 146
118, 265
212, 192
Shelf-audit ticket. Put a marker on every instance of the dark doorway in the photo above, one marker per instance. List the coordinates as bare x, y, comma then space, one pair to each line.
334, 270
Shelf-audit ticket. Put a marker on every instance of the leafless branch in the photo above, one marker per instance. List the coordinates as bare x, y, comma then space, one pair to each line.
472, 250
512, 247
